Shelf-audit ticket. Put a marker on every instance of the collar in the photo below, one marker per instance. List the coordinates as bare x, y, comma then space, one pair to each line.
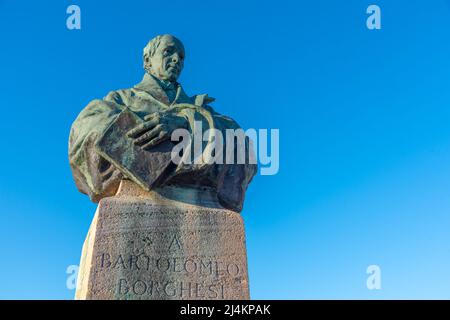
158, 88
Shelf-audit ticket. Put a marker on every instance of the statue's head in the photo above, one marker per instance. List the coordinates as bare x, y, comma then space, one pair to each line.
164, 57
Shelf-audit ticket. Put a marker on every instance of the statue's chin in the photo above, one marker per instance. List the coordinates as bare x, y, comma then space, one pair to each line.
172, 77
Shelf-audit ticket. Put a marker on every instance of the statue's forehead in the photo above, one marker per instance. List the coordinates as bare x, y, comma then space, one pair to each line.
171, 42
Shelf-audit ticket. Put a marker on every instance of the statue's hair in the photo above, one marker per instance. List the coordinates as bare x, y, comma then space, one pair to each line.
151, 47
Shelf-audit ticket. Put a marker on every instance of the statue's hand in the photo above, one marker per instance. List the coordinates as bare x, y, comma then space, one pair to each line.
155, 129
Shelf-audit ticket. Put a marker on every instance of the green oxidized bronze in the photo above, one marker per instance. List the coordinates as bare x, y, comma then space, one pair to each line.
126, 135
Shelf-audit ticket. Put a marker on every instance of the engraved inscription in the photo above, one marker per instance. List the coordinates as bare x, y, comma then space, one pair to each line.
171, 289
186, 265
148, 251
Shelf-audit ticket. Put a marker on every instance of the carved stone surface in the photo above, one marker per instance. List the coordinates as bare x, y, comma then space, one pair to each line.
169, 243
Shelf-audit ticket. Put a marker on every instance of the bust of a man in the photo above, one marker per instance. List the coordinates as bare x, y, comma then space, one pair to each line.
162, 106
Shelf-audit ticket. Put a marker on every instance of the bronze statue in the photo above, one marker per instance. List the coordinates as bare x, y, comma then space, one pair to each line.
101, 154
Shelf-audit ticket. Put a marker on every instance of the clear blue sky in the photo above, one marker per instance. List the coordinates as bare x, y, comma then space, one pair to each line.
364, 134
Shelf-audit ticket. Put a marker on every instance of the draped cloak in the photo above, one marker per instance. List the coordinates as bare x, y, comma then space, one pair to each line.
98, 178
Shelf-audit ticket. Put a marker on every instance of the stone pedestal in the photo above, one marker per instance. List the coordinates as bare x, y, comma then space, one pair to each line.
172, 243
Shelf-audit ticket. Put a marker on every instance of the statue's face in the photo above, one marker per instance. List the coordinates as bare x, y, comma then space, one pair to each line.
168, 60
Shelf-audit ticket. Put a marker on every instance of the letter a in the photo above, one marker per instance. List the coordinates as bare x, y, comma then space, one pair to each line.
374, 280
71, 282
374, 20
74, 20
176, 242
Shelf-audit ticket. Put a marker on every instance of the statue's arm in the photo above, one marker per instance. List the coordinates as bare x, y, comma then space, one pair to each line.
232, 179
93, 175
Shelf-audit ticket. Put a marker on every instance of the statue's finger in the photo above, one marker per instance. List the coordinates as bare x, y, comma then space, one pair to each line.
152, 116
148, 135
137, 131
163, 136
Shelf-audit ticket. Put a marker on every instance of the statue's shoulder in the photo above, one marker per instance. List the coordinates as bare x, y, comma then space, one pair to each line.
204, 100
112, 103
120, 97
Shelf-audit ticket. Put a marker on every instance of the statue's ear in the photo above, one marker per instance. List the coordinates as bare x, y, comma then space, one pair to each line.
147, 63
